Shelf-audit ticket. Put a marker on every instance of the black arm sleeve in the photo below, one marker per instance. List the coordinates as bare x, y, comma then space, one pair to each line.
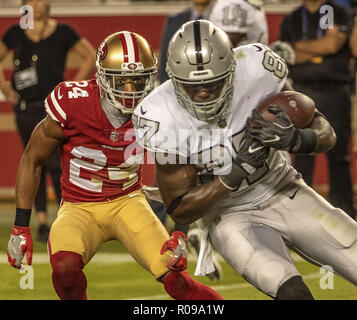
11, 36
70, 35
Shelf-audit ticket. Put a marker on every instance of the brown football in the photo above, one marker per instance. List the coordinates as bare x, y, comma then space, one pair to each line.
299, 107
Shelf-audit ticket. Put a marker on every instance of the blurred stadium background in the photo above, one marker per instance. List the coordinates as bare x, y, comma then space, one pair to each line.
113, 274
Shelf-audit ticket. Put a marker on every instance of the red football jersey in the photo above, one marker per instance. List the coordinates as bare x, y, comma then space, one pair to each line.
98, 161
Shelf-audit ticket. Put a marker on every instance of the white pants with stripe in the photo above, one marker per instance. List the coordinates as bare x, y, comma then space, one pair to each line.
255, 242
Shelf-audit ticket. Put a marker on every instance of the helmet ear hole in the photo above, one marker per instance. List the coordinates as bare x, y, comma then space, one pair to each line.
201, 53
129, 56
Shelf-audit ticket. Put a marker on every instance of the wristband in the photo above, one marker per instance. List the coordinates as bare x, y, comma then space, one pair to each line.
22, 218
308, 141
226, 185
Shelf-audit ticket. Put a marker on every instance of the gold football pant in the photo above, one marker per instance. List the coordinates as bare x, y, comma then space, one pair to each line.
83, 227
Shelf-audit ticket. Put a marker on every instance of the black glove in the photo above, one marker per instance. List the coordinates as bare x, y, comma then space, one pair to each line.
281, 134
251, 156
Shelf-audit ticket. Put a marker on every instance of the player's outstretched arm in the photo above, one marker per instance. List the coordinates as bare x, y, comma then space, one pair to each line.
185, 200
46, 137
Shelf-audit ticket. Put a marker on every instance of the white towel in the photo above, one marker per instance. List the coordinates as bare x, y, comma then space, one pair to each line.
205, 261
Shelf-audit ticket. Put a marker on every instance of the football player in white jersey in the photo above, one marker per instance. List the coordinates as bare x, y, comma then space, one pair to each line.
216, 168
243, 20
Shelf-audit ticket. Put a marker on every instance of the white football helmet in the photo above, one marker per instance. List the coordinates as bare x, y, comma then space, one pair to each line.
200, 53
125, 55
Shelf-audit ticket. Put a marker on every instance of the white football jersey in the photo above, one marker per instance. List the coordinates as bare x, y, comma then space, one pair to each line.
241, 16
163, 125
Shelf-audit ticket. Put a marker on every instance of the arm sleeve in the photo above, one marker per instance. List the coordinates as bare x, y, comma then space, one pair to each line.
71, 36
10, 37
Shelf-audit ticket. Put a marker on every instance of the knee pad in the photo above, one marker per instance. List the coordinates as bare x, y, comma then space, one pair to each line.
68, 278
66, 265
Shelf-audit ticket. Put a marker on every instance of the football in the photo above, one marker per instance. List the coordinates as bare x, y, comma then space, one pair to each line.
299, 107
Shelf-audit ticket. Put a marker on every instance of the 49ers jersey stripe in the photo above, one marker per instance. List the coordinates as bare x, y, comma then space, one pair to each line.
54, 109
57, 106
130, 47
48, 110
51, 110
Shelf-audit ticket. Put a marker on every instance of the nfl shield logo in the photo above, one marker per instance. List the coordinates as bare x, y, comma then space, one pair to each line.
114, 136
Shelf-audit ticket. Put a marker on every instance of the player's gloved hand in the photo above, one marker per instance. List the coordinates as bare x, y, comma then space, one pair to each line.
20, 243
251, 156
284, 50
178, 245
280, 134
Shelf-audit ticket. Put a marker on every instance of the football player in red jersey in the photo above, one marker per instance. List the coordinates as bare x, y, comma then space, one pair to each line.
90, 121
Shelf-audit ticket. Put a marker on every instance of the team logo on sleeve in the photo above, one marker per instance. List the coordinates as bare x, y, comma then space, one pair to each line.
102, 51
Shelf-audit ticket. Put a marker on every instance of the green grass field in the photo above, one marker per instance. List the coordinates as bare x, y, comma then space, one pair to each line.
113, 275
